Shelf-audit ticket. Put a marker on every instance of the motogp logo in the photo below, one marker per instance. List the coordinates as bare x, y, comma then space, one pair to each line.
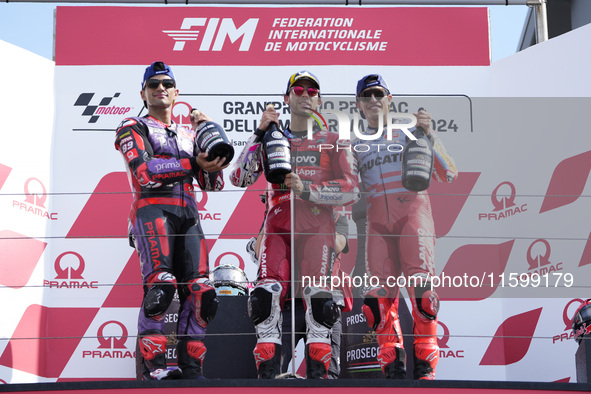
94, 111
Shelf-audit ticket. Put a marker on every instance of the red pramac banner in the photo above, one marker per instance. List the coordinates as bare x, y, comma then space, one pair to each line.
427, 36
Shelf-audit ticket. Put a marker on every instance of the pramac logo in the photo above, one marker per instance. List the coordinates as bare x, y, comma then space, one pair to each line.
181, 112
35, 200
538, 258
203, 213
111, 346
568, 313
112, 342
69, 267
240, 265
32, 198
444, 350
503, 201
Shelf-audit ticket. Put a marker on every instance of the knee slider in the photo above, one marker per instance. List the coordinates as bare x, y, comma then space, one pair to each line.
160, 294
264, 301
325, 310
204, 298
427, 300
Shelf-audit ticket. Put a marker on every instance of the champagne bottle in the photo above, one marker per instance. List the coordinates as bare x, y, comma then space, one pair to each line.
276, 154
212, 139
417, 162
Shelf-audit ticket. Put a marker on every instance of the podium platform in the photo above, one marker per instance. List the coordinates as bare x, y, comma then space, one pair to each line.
293, 386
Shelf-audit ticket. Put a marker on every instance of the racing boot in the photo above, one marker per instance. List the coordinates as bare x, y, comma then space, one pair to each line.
382, 315
153, 347
268, 360
317, 360
425, 304
191, 354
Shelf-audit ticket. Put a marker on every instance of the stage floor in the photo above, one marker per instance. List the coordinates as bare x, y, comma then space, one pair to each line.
293, 386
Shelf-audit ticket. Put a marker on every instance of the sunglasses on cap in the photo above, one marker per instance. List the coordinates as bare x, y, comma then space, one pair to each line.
299, 90
166, 83
377, 93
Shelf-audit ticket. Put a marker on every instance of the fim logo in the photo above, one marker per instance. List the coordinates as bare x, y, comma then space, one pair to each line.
70, 277
110, 346
504, 205
191, 28
102, 108
34, 203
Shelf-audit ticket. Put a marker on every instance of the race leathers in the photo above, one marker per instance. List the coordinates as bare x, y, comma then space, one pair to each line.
164, 221
329, 177
400, 240
393, 210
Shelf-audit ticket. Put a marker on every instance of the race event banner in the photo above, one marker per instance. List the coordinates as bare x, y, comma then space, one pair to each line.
512, 233
273, 36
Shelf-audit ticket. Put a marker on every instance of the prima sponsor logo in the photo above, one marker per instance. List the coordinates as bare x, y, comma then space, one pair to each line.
69, 273
504, 205
212, 34
113, 346
35, 200
103, 107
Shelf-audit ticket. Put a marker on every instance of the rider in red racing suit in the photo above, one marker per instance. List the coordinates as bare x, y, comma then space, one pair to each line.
162, 162
400, 235
320, 179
